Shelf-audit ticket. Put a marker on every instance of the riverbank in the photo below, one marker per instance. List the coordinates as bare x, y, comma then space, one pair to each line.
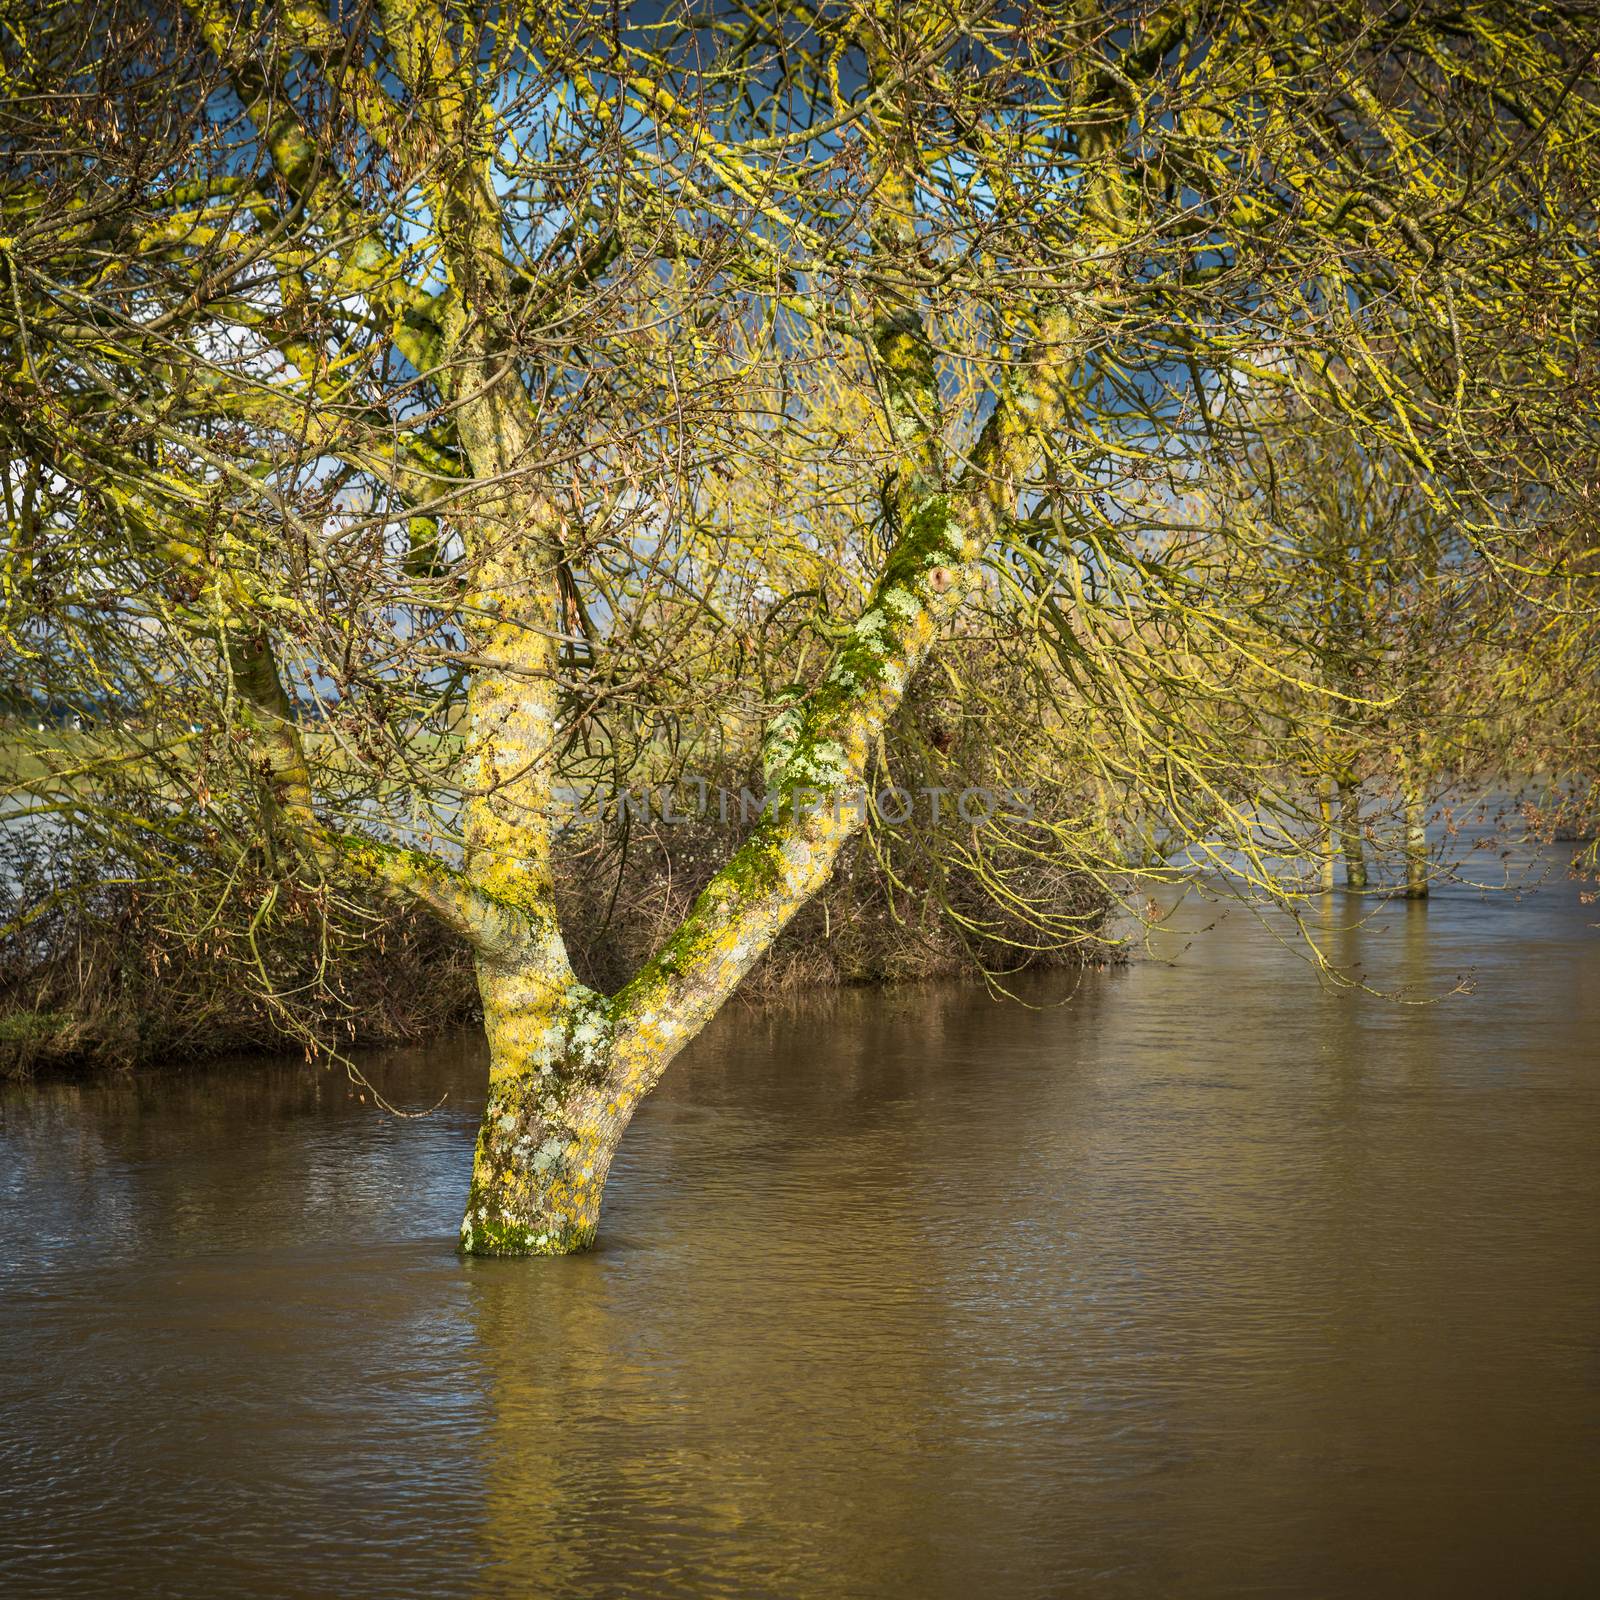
99, 979
110, 973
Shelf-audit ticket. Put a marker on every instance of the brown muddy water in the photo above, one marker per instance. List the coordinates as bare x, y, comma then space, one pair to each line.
1212, 1282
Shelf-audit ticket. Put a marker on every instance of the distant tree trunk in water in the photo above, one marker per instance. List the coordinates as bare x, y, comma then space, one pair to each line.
1329, 838
1415, 826
1355, 859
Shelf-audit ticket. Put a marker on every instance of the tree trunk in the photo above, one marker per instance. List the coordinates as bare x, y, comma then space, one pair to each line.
1355, 858
544, 1149
1330, 847
552, 1121
1416, 828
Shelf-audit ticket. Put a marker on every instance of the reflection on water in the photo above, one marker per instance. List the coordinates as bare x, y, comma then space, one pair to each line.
1212, 1282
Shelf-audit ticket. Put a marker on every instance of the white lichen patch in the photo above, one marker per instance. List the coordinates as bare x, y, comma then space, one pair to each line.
900, 603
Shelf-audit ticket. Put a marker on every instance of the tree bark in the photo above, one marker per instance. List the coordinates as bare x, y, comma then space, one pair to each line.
1355, 858
552, 1121
1415, 827
1330, 847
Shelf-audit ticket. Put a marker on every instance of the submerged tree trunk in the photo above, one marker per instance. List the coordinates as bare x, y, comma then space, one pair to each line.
552, 1121
1355, 858
538, 1172
568, 1067
1330, 847
1416, 830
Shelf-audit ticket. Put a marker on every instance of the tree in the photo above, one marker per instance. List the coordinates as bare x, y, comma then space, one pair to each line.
430, 410
1397, 605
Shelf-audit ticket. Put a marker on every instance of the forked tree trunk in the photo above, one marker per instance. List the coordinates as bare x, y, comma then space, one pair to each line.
567, 1066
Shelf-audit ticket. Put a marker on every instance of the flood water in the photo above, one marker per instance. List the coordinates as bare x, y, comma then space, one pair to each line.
1213, 1281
